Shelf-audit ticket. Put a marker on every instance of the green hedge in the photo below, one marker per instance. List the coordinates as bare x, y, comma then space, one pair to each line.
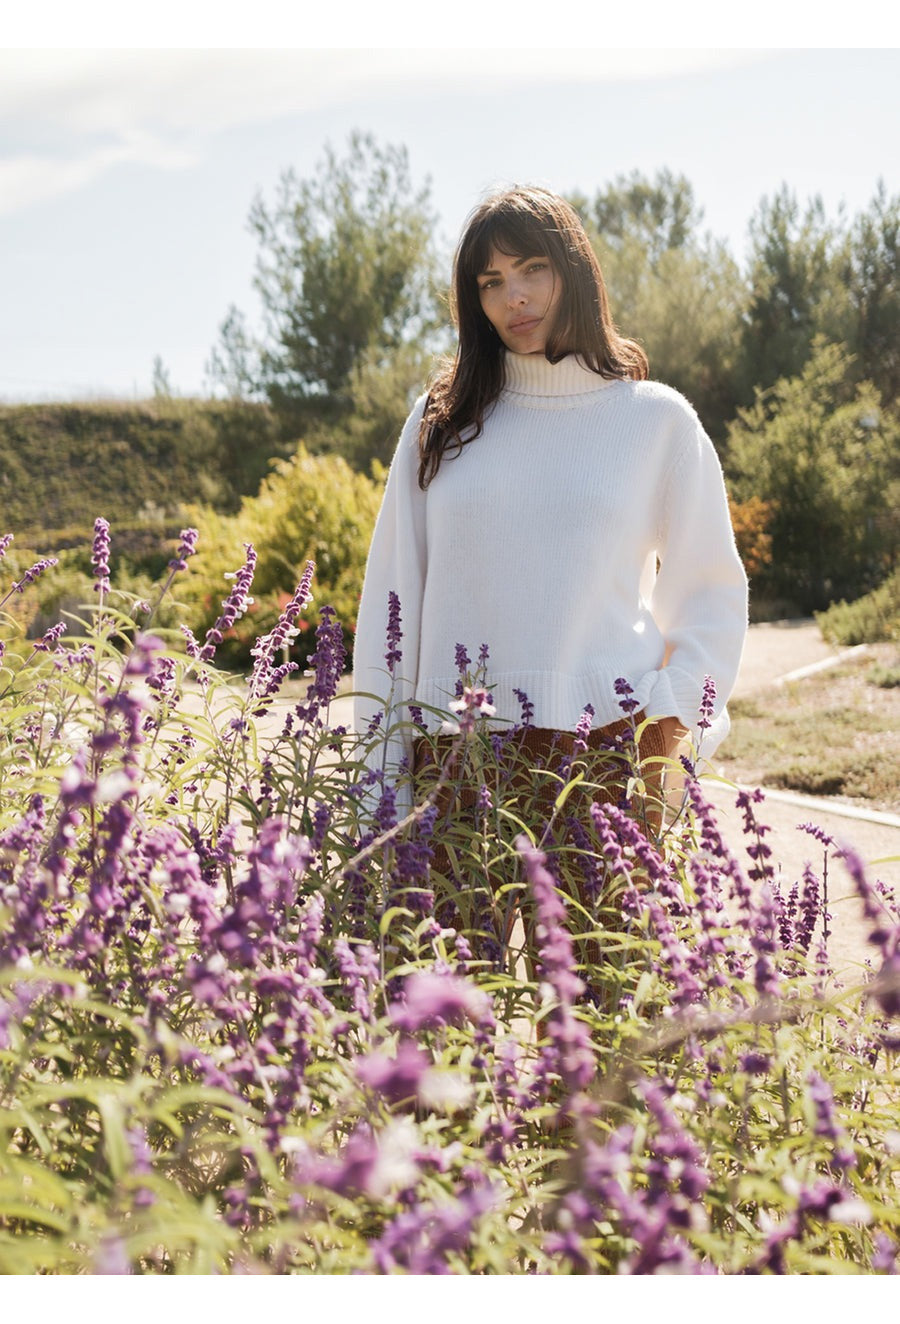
137, 464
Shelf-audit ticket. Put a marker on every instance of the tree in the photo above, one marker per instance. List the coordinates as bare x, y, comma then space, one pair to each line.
162, 380
346, 274
824, 455
796, 290
661, 212
678, 292
872, 276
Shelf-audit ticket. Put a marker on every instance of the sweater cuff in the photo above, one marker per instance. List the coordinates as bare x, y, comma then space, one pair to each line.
668, 700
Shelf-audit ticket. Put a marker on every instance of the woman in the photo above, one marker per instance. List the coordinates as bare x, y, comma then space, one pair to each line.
548, 501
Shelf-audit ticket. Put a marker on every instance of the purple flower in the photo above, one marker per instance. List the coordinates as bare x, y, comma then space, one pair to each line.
191, 646
583, 729
627, 702
234, 605
885, 988
885, 931
360, 972
463, 661
100, 555
754, 1063
884, 1258
827, 1124
45, 563
421, 1240
5, 541
327, 661
51, 638
368, 1164
418, 717
570, 1051
474, 702
396, 1078
394, 653
527, 707
186, 548
431, 999
707, 703
764, 943
808, 911
265, 680
758, 850
818, 832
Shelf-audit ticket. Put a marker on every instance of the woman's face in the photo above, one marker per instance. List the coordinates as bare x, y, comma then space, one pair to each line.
519, 296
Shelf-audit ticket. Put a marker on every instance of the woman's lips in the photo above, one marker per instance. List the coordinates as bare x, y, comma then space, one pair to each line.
522, 327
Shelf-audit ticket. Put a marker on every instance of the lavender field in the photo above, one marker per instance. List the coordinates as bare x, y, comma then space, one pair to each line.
254, 1017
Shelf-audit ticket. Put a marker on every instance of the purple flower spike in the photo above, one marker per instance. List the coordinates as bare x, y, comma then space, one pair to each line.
570, 1052
186, 548
234, 605
627, 702
266, 678
45, 563
395, 1078
707, 703
433, 999
583, 729
5, 540
51, 638
527, 707
394, 654
100, 555
327, 662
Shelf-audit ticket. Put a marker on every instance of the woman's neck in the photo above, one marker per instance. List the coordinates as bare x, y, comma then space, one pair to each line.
533, 374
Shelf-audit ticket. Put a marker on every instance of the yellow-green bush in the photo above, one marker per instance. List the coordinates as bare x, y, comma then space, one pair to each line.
869, 620
311, 507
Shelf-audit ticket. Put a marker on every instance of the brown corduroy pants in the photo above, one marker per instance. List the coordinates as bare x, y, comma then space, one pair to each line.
540, 763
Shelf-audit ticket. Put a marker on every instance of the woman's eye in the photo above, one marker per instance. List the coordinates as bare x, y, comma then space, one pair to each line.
537, 266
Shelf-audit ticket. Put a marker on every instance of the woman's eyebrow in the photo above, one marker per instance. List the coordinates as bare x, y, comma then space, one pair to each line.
517, 262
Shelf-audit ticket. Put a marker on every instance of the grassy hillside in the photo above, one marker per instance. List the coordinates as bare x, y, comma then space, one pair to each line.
63, 464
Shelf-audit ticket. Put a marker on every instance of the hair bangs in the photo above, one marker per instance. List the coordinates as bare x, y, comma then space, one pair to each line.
513, 232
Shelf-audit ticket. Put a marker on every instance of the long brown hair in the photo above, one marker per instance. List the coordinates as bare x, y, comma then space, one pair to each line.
520, 222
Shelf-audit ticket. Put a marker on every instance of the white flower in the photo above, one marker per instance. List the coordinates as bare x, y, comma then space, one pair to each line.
112, 787
446, 1091
395, 1166
850, 1211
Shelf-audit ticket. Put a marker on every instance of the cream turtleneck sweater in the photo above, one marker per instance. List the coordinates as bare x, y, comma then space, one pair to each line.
540, 539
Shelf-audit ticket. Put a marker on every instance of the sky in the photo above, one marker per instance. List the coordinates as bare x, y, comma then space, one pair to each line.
127, 169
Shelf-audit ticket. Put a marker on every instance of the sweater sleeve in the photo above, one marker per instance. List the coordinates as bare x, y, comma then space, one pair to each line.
396, 563
699, 600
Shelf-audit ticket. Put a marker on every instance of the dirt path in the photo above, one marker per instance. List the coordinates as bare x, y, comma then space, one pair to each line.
773, 652
778, 648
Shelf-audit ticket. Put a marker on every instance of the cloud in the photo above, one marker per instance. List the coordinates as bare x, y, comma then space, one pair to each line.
71, 115
28, 179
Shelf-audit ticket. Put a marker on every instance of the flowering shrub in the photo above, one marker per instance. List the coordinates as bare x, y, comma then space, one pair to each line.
251, 1019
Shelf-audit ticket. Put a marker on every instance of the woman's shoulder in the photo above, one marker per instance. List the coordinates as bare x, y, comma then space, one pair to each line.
408, 442
664, 400
416, 414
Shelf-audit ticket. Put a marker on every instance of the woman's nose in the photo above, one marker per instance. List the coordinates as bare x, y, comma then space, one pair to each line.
515, 293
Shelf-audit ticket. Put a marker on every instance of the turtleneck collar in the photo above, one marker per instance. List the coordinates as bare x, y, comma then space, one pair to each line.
533, 375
